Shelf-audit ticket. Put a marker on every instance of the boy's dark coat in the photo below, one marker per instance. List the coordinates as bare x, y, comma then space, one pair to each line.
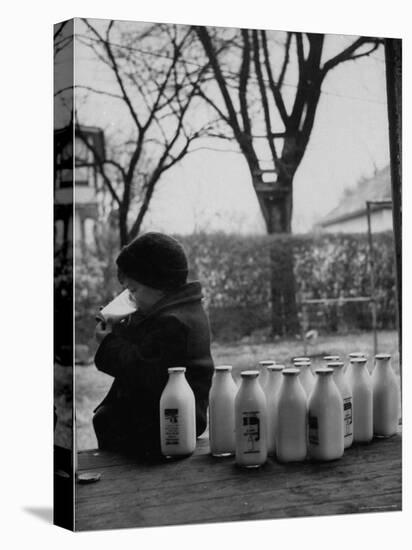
138, 353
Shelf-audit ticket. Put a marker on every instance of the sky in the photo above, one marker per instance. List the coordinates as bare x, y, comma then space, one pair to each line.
210, 190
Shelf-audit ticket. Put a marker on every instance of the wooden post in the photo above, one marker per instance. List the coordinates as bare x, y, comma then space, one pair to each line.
372, 278
393, 58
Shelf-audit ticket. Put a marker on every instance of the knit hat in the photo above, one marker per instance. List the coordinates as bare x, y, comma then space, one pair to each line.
155, 260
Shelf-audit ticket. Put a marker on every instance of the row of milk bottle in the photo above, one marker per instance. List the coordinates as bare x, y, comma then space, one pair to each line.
286, 412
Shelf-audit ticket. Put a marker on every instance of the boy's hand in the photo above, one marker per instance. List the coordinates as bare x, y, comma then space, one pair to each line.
102, 330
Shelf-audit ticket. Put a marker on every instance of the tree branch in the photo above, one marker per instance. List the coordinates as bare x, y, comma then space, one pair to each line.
115, 68
205, 40
99, 161
346, 54
59, 29
265, 104
95, 91
243, 82
285, 60
274, 88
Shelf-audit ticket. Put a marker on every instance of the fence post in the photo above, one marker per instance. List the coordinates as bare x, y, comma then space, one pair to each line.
372, 279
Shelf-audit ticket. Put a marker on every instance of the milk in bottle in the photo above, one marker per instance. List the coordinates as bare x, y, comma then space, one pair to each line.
222, 412
385, 397
306, 376
177, 416
325, 418
362, 401
291, 419
346, 394
250, 422
271, 392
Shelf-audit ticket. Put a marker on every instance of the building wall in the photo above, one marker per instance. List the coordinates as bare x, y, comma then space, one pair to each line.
380, 221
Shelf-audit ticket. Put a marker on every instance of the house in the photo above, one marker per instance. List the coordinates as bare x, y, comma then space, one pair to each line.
82, 201
350, 216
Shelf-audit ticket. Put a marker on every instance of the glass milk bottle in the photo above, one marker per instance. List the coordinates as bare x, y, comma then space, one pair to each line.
306, 376
250, 422
271, 390
347, 369
385, 397
177, 416
325, 418
346, 394
291, 419
362, 401
222, 412
263, 369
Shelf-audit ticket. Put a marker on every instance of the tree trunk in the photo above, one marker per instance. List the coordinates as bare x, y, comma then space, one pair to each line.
283, 288
124, 237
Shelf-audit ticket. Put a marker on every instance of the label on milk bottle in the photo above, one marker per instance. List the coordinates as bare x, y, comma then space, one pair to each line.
313, 429
171, 426
251, 431
347, 416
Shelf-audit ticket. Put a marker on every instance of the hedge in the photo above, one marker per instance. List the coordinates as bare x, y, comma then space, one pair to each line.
235, 272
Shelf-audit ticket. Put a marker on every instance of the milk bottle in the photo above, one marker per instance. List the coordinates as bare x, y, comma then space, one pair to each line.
222, 412
271, 392
347, 369
385, 397
325, 418
362, 401
306, 376
177, 416
346, 394
291, 419
250, 422
263, 369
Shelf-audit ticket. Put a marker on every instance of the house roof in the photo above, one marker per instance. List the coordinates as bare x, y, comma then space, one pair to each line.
353, 202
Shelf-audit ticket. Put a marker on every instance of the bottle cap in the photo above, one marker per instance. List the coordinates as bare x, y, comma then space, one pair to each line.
358, 360
356, 354
324, 370
331, 358
223, 368
249, 373
299, 364
276, 367
176, 369
383, 356
297, 359
290, 371
335, 364
266, 363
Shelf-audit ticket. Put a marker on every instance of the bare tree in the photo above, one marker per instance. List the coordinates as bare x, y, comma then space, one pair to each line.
265, 113
156, 95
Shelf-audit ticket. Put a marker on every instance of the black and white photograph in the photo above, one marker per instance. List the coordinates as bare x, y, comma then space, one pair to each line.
227, 274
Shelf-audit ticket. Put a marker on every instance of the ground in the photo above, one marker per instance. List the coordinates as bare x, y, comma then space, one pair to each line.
92, 385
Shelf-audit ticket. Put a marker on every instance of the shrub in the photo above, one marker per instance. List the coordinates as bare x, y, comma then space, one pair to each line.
235, 272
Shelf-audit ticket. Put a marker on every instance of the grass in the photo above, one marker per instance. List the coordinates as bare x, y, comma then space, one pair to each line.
92, 385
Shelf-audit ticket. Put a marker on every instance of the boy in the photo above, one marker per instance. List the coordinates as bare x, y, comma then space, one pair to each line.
169, 328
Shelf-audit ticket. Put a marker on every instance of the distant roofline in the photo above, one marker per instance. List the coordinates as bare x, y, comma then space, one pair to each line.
355, 214
351, 199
